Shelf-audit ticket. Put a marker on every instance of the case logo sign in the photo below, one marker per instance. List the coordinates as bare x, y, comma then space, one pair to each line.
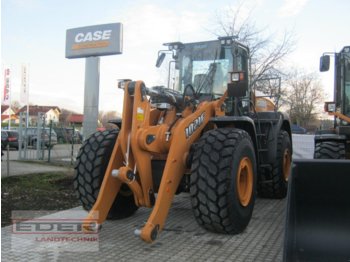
93, 36
92, 39
96, 40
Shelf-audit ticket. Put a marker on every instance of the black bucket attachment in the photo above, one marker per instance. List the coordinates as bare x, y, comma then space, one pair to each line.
318, 214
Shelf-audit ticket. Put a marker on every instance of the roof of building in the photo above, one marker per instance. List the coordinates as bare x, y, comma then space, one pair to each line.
34, 110
5, 117
4, 108
76, 118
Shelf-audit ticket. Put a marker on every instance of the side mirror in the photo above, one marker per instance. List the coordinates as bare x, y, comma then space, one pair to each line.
160, 59
324, 63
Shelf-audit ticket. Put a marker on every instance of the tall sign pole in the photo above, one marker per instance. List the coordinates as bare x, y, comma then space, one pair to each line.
92, 42
91, 95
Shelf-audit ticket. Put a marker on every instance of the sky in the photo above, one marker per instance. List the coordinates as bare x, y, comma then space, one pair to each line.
33, 32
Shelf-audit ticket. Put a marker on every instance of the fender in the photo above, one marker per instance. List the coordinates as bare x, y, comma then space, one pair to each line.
274, 122
117, 122
242, 122
329, 137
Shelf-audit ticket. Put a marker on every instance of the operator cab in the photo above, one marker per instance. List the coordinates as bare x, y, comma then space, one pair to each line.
342, 82
205, 70
344, 74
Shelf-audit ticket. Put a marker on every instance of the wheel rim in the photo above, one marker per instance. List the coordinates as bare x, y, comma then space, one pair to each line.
245, 181
287, 160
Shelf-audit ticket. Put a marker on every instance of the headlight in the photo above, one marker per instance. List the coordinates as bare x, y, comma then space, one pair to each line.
237, 76
122, 82
329, 107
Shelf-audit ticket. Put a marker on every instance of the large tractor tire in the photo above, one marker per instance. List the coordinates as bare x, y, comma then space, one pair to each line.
275, 182
329, 150
223, 180
90, 167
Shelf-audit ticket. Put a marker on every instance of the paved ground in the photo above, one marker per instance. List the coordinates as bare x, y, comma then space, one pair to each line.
24, 168
303, 146
182, 239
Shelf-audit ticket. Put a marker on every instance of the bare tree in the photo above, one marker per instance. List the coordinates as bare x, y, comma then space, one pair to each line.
266, 53
65, 116
15, 105
305, 95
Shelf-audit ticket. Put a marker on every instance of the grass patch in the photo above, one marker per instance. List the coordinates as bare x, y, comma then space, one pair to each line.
52, 191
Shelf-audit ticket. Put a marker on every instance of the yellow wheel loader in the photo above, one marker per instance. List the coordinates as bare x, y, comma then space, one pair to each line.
335, 144
206, 133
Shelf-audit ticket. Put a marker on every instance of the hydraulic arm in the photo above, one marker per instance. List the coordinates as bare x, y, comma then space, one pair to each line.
146, 133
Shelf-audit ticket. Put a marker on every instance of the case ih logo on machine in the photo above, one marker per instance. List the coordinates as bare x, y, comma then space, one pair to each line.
94, 39
194, 125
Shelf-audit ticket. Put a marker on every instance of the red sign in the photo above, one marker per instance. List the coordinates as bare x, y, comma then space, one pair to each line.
6, 99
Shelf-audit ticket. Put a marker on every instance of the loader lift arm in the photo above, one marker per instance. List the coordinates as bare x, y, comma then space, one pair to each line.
141, 138
340, 116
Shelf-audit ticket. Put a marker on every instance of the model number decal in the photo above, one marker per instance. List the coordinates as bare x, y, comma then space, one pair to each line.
194, 125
